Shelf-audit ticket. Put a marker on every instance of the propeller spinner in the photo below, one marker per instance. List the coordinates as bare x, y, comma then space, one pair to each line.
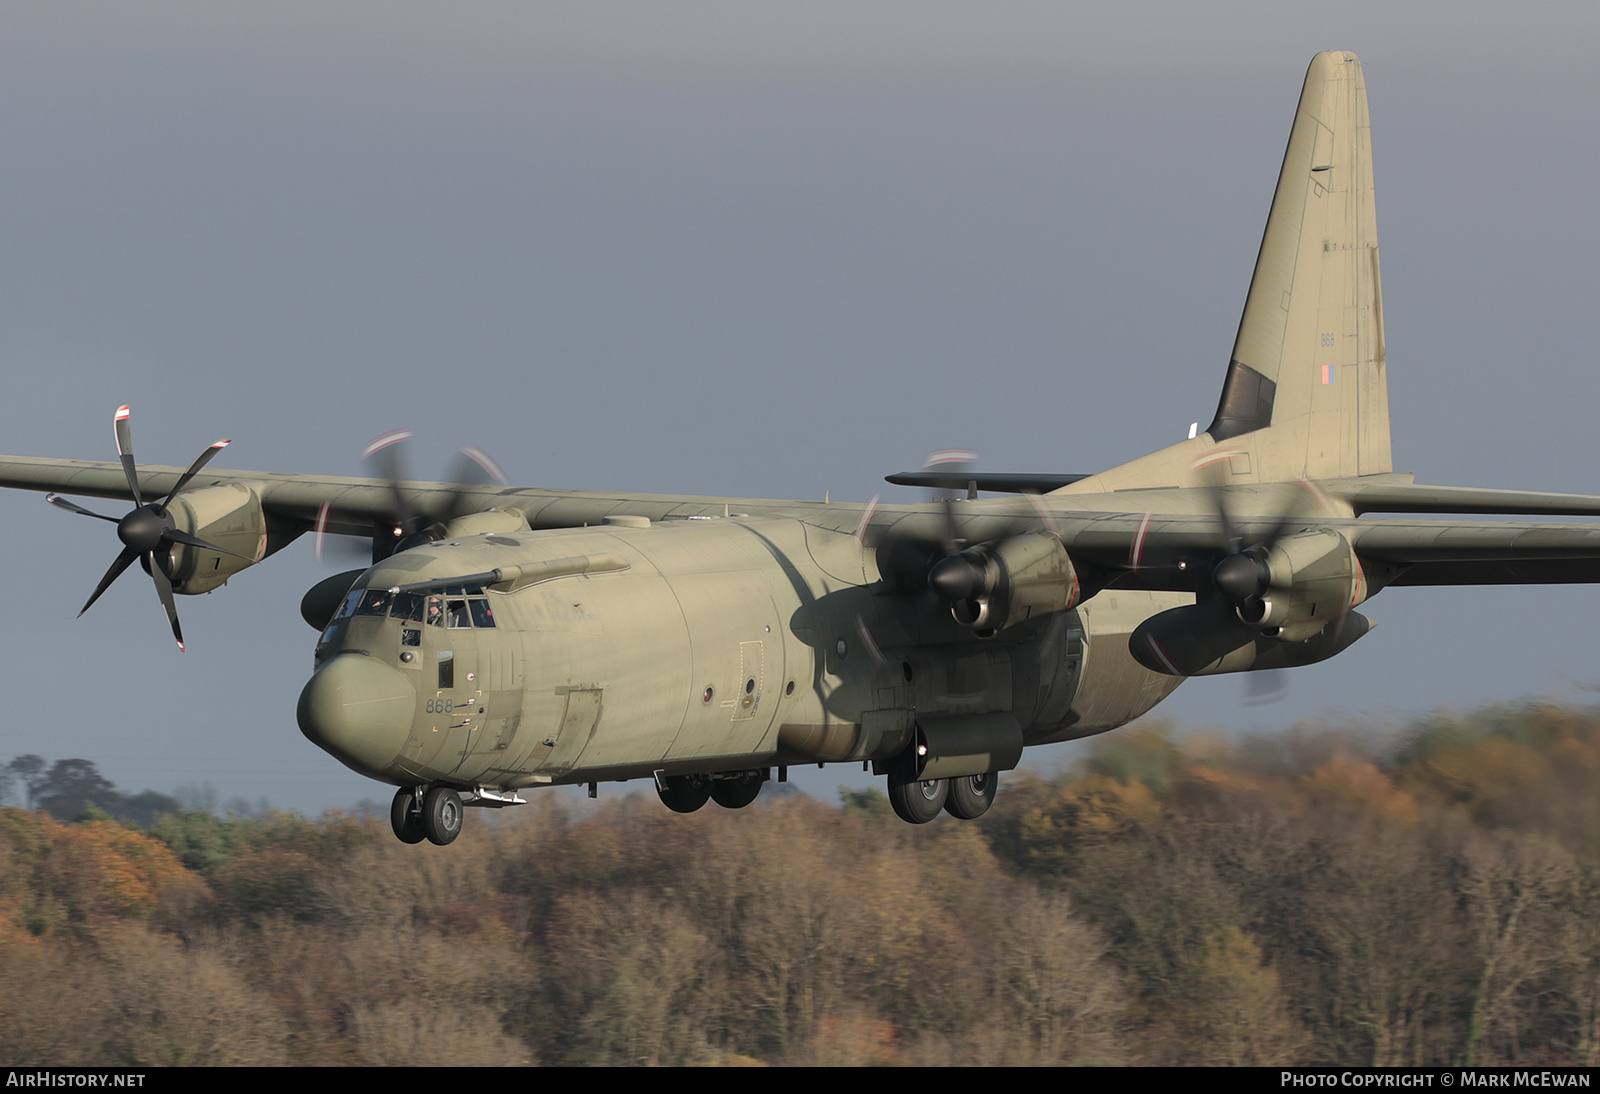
148, 530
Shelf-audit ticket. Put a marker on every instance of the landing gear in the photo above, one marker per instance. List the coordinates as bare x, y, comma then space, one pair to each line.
918, 802
971, 795
404, 816
441, 815
739, 790
684, 793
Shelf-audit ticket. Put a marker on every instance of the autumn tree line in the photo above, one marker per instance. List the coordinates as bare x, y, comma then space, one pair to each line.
1323, 896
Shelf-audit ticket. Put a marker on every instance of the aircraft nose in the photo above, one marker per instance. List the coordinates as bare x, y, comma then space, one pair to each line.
359, 710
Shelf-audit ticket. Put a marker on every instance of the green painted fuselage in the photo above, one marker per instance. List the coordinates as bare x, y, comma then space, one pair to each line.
700, 646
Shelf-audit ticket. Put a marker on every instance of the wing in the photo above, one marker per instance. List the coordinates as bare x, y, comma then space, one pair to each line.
356, 506
1177, 554
1130, 550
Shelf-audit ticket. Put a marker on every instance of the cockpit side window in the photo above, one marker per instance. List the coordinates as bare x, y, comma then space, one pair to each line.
457, 614
351, 599
482, 614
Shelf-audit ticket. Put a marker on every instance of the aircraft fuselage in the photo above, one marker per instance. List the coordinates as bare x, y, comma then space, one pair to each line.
694, 647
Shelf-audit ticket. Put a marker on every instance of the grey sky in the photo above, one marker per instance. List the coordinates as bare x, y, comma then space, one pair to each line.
764, 250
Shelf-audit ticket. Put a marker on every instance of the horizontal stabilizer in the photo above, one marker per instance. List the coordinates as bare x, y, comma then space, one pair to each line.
1393, 497
1000, 483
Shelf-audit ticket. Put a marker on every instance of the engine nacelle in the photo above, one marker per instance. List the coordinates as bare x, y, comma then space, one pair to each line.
1315, 578
1024, 577
228, 515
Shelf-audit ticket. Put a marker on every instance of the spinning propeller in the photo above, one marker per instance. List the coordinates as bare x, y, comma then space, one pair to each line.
1243, 583
1013, 567
415, 519
147, 532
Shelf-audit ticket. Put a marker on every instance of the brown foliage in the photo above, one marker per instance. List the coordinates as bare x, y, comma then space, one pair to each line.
1310, 899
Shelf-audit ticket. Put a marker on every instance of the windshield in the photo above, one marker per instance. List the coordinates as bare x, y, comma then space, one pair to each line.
468, 607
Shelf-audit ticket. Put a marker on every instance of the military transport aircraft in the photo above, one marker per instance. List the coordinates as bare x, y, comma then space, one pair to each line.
504, 639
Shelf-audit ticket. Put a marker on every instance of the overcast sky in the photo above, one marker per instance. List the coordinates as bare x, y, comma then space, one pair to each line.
748, 249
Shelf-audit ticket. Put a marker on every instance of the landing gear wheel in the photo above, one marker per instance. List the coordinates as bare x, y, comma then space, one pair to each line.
441, 815
919, 802
972, 795
739, 791
404, 818
684, 793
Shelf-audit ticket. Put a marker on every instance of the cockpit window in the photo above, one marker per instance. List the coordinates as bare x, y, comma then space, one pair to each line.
351, 599
408, 606
375, 602
466, 607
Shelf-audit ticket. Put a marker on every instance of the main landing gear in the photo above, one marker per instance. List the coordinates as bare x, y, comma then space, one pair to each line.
731, 790
966, 797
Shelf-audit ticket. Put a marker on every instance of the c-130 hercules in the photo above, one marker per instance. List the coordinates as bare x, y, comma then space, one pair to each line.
505, 639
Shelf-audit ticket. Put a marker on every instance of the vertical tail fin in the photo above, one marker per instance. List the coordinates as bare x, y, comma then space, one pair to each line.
1308, 365
1306, 394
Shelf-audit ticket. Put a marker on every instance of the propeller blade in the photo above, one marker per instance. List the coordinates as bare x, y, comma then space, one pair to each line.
1264, 686
473, 467
953, 539
322, 527
175, 535
194, 469
124, 560
164, 591
421, 519
487, 462
384, 456
866, 520
124, 432
145, 528
62, 503
955, 462
868, 642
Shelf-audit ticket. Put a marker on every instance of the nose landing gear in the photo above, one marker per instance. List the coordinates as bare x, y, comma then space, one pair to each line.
432, 813
405, 817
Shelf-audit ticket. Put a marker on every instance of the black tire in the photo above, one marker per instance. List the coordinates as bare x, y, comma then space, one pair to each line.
739, 791
441, 815
404, 818
685, 793
972, 795
918, 802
